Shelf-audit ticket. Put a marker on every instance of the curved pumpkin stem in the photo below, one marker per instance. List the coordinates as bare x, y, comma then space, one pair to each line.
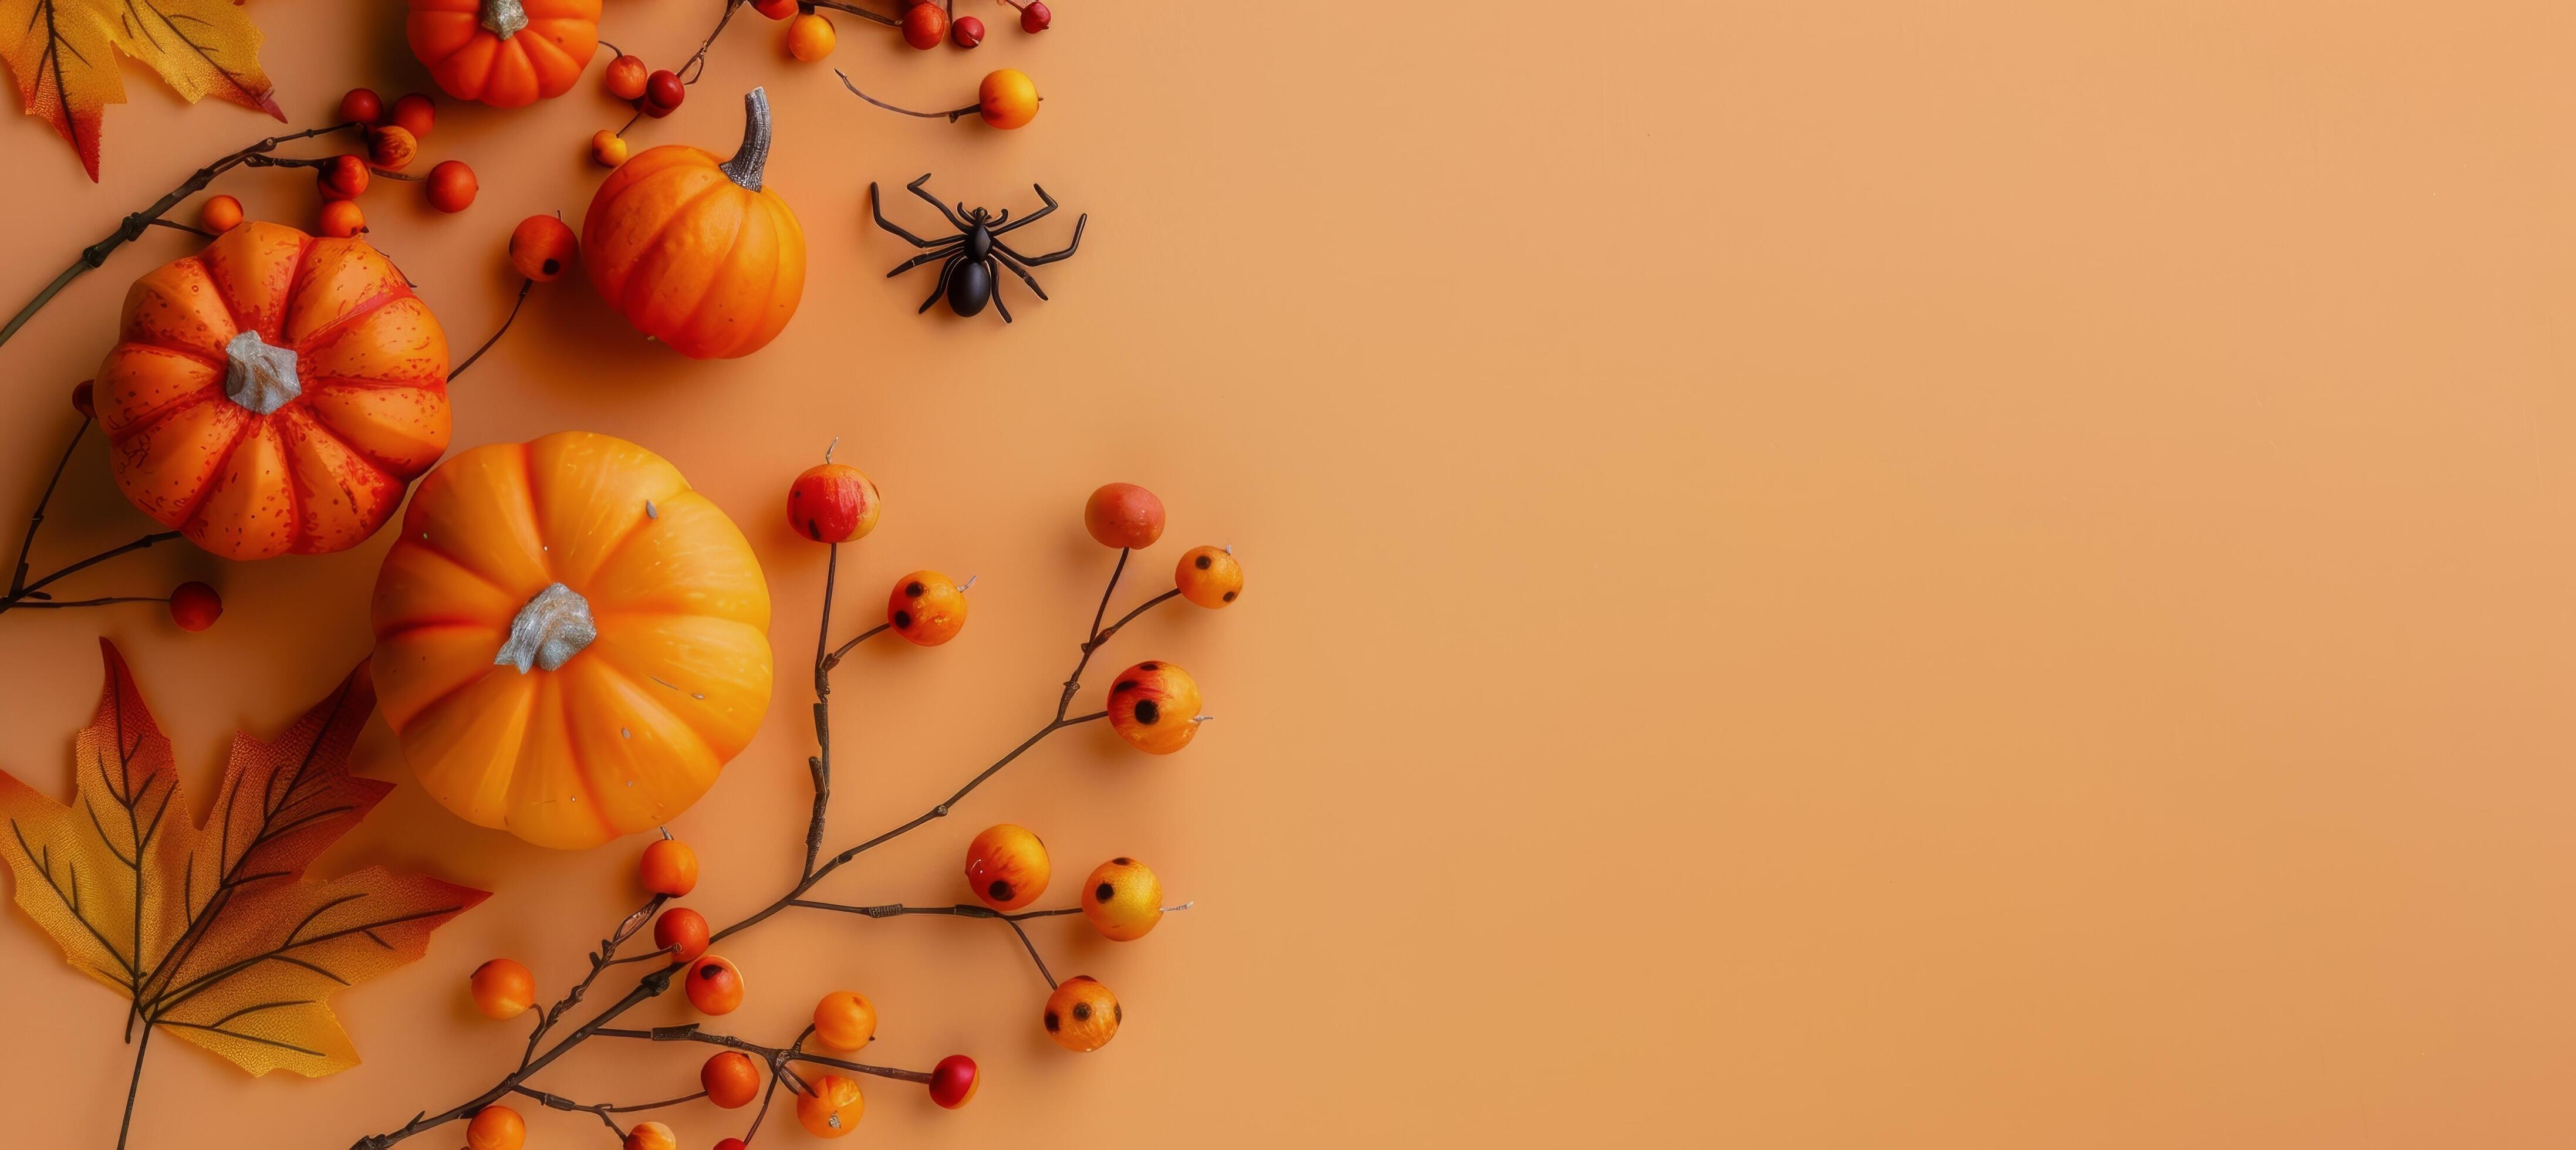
744, 167
504, 17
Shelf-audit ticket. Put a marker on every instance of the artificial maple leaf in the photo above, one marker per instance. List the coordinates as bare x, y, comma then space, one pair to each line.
209, 930
59, 51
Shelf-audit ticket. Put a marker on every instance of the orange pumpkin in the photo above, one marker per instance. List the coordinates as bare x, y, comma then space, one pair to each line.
570, 643
273, 393
693, 250
506, 53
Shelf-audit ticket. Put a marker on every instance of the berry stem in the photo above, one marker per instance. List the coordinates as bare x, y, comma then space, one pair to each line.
602, 959
952, 116
855, 10
133, 225
506, 321
603, 1110
689, 1032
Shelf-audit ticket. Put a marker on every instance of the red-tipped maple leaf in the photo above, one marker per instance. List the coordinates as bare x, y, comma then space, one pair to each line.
63, 53
210, 931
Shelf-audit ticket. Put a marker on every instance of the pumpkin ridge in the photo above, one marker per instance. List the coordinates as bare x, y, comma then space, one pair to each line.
759, 325
302, 535
552, 40
445, 696
150, 418
424, 544
536, 510
631, 283
741, 218
391, 472
214, 477
610, 661
308, 427
322, 337
580, 769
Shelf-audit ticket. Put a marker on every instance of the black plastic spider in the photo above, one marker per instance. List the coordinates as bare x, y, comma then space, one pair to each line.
970, 277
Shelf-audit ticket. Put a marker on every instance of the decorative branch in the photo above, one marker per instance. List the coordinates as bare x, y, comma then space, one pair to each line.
506, 321
951, 116
777, 1057
964, 910
659, 980
97, 253
560, 1102
600, 960
31, 594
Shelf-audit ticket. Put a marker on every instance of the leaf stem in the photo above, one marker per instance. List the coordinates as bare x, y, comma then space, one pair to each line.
133, 1087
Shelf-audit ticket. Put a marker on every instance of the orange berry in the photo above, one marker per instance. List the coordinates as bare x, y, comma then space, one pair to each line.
833, 503
1155, 707
341, 178
669, 866
925, 25
681, 931
810, 37
1082, 1016
607, 148
451, 186
845, 1020
651, 1136
503, 988
342, 219
392, 147
221, 214
953, 1081
195, 606
415, 112
1006, 866
775, 9
833, 1108
361, 105
1123, 899
927, 607
1123, 515
1209, 576
1007, 99
715, 986
625, 77
496, 1128
731, 1079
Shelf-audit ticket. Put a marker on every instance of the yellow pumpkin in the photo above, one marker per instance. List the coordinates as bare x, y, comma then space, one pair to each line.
570, 643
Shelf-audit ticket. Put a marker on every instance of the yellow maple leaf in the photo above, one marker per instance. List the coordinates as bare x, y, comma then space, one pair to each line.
209, 930
59, 52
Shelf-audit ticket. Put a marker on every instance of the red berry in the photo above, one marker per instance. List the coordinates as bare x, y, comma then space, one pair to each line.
541, 247
775, 9
967, 31
414, 113
625, 77
681, 931
733, 1144
341, 219
1123, 515
362, 105
451, 186
195, 606
730, 1078
81, 401
953, 1081
925, 25
663, 92
1034, 16
341, 177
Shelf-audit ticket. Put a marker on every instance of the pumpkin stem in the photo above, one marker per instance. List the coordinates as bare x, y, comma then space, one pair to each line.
553, 627
504, 17
262, 376
744, 167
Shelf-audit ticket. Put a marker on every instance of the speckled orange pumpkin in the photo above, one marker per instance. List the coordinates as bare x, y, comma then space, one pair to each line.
1155, 707
570, 642
273, 393
1082, 1016
696, 251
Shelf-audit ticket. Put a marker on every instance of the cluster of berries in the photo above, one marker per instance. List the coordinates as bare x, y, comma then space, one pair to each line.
393, 142
924, 23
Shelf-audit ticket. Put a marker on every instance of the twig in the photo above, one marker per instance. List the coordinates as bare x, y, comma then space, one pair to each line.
603, 1110
31, 595
602, 959
97, 253
506, 321
855, 10
964, 910
952, 116
660, 980
689, 1032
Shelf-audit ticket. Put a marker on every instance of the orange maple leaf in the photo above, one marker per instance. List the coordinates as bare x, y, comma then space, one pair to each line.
209, 930
59, 52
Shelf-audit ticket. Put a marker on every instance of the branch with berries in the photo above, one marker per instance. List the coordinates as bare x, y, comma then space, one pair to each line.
1153, 706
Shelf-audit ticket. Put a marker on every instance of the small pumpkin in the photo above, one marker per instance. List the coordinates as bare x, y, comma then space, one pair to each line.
696, 251
570, 642
273, 393
506, 53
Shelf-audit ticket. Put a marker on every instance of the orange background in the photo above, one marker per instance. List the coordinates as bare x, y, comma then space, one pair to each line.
1875, 574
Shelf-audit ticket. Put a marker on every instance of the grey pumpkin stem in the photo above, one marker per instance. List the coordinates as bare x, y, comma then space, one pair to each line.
744, 167
504, 17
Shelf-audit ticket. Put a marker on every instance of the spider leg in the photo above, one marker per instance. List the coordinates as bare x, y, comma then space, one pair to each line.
876, 205
1013, 263
1035, 216
947, 270
997, 295
997, 221
946, 248
953, 217
1051, 257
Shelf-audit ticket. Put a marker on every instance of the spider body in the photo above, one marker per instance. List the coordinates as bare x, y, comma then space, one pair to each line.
972, 260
